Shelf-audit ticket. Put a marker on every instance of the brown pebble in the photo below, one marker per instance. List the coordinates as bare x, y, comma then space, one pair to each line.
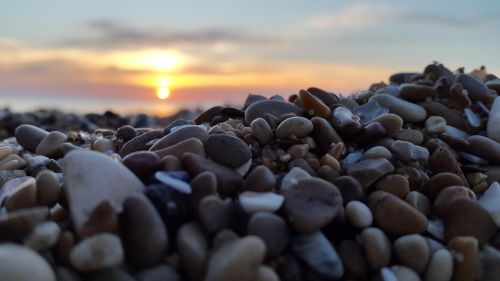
447, 195
353, 258
48, 188
440, 181
377, 247
313, 105
442, 160
466, 258
395, 184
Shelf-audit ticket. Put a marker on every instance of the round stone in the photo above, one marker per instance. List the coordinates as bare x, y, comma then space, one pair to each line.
395, 184
447, 195
313, 105
103, 145
252, 202
18, 193
29, 136
412, 251
272, 229
44, 236
262, 131
350, 188
227, 150
193, 250
358, 214
353, 258
272, 107
377, 247
295, 126
435, 125
97, 252
49, 146
260, 179
440, 266
181, 133
23, 264
126, 133
48, 188
440, 181
377, 152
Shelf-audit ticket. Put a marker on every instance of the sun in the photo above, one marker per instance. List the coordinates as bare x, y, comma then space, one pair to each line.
163, 93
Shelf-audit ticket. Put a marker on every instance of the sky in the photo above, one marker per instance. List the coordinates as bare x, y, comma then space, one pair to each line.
123, 54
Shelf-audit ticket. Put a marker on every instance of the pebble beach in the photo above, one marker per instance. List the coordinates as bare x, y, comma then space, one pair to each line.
396, 183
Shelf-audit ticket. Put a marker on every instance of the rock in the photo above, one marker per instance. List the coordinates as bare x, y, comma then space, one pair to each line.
359, 214
91, 178
260, 201
377, 247
395, 184
324, 134
103, 218
49, 146
97, 252
48, 188
272, 229
259, 179
192, 145
377, 152
465, 217
140, 220
420, 202
345, 122
404, 273
227, 150
298, 127
442, 160
410, 112
103, 145
350, 188
391, 123
238, 260
485, 147
272, 107
440, 181
447, 195
370, 170
291, 178
6, 175
318, 254
409, 135
353, 259
18, 193
490, 259
440, 266
142, 163
492, 129
435, 125
202, 185
44, 236
416, 92
490, 201
111, 274
228, 181
20, 223
413, 251
126, 133
313, 105
29, 136
23, 264
407, 152
262, 131
12, 162
465, 267
476, 89
183, 133
139, 142
193, 250
394, 215
214, 213
311, 203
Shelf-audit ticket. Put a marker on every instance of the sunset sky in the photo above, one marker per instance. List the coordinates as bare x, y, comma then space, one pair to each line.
108, 52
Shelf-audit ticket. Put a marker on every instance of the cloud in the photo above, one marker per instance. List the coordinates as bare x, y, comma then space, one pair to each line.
103, 34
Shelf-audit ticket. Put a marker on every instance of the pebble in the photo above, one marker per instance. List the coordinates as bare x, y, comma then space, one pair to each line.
202, 185
272, 229
311, 203
485, 147
412, 251
440, 181
313, 105
350, 188
23, 264
29, 136
177, 184
20, 223
345, 122
259, 179
184, 133
395, 184
407, 152
394, 215
416, 92
227, 150
410, 135
103, 145
103, 218
139, 142
353, 259
49, 146
237, 260
492, 129
440, 266
476, 89
193, 250
97, 252
262, 131
420, 202
435, 125
215, 213
370, 170
377, 152
266, 273
44, 236
126, 133
142, 163
490, 201
466, 263
252, 202
298, 127
442, 160
85, 175
410, 112
191, 145
377, 247
404, 273
391, 123
48, 188
18, 193
318, 254
324, 134
139, 220
448, 194
271, 107
358, 214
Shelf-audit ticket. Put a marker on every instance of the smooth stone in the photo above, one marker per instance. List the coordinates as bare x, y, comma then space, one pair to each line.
192, 145
142, 163
49, 146
405, 273
410, 135
18, 193
97, 252
228, 181
490, 201
18, 263
272, 107
440, 266
350, 188
238, 260
20, 223
103, 218
193, 250
158, 273
492, 128
377, 152
369, 170
443, 160
345, 122
126, 133
177, 184
410, 112
184, 133
266, 273
227, 150
394, 215
139, 142
353, 258
139, 220
395, 184
48, 188
412, 251
311, 203
358, 214
467, 248
420, 202
259, 179
324, 134
377, 247
407, 152
12, 162
435, 125
29, 136
452, 117
202, 185
476, 89
490, 261
292, 176
103, 145
440, 181
416, 92
465, 217
5, 151
215, 213
295, 126
260, 201
91, 178
313, 105
318, 254
447, 195
44, 236
392, 123
485, 147
262, 131
272, 229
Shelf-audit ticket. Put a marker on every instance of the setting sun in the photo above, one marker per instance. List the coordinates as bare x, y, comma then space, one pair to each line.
163, 93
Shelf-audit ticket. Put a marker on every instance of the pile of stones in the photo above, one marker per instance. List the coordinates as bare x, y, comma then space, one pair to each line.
398, 183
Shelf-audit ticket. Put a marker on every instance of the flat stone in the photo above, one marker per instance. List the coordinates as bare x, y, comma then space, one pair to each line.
272, 229
453, 118
318, 254
97, 252
192, 145
295, 126
369, 170
410, 112
377, 247
91, 178
485, 147
227, 150
413, 251
252, 202
138, 221
313, 105
476, 89
415, 92
142, 163
184, 133
193, 250
271, 107
23, 264
29, 136
18, 193
324, 134
410, 135
177, 184
49, 146
238, 260
139, 142
311, 203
